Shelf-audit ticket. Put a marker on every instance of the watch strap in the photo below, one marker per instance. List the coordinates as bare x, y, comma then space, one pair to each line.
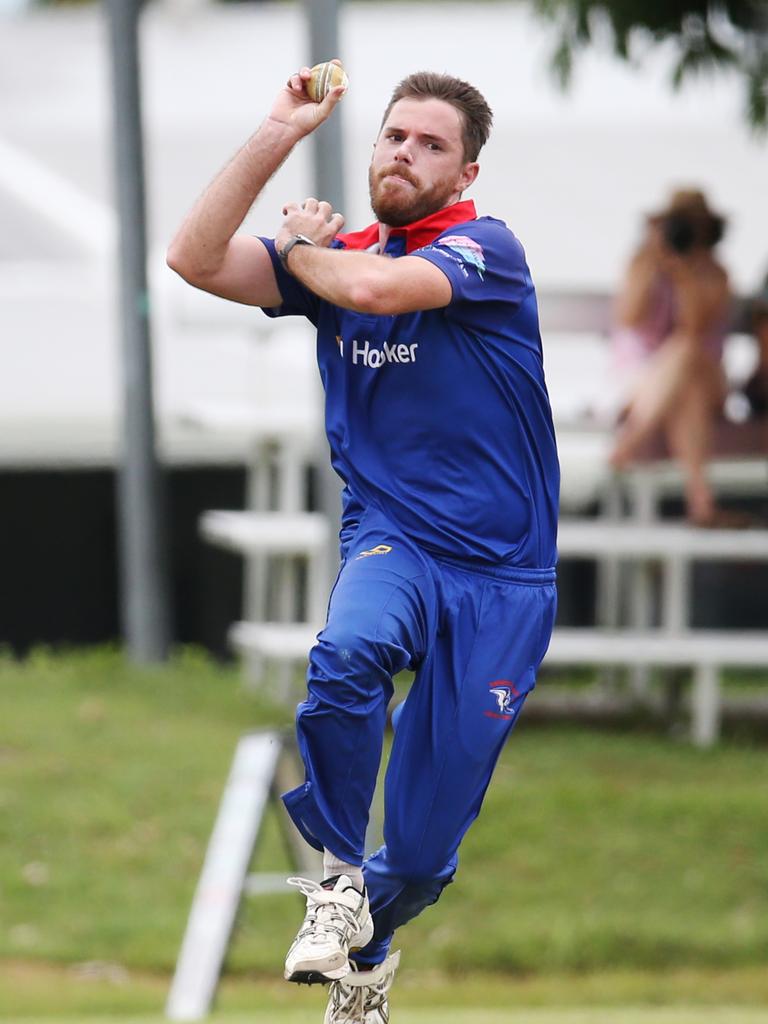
284, 253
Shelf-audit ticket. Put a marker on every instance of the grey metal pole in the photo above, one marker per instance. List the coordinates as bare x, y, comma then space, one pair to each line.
323, 19
143, 576
328, 183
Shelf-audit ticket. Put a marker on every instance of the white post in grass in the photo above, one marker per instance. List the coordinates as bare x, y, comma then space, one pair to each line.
223, 877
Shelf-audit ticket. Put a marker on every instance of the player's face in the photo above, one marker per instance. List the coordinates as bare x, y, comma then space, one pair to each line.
418, 164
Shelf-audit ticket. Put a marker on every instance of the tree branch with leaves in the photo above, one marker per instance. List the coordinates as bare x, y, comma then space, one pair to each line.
709, 36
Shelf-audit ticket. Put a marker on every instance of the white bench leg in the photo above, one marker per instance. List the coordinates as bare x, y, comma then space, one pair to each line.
608, 581
643, 510
641, 608
705, 706
674, 602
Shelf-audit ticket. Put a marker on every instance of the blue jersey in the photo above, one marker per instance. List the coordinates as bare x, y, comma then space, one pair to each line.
441, 418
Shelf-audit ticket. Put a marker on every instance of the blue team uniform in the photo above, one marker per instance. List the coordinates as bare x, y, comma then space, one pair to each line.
440, 427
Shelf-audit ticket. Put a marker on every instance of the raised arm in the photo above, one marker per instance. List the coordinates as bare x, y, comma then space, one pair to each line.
636, 295
206, 251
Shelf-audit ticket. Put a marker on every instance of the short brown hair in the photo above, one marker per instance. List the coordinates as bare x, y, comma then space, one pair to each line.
476, 115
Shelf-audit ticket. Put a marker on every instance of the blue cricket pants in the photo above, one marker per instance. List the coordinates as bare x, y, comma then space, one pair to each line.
475, 638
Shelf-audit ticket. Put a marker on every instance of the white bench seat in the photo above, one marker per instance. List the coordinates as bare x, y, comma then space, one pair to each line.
248, 533
704, 651
596, 538
568, 646
640, 544
275, 422
658, 648
281, 641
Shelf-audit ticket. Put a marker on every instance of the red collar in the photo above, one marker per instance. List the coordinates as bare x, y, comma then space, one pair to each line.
420, 233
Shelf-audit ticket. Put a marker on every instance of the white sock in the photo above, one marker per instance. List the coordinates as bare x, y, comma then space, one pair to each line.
332, 866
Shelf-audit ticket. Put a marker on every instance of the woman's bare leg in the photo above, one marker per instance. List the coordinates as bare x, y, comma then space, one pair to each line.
688, 427
680, 394
665, 378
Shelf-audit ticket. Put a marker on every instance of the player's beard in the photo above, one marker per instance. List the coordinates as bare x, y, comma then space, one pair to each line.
402, 206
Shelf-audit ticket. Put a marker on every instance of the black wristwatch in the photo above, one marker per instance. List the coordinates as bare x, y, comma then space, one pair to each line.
285, 252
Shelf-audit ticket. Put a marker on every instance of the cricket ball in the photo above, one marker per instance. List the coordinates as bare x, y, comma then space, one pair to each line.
323, 77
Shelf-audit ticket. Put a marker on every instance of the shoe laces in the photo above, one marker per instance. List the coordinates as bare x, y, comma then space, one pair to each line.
351, 1005
324, 911
361, 997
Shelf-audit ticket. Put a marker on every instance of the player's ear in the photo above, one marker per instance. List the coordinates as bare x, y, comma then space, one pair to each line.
468, 174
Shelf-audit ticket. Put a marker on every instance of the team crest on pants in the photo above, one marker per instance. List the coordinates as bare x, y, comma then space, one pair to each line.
380, 549
505, 694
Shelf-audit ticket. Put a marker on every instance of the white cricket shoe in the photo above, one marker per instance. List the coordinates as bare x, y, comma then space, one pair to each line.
338, 919
361, 997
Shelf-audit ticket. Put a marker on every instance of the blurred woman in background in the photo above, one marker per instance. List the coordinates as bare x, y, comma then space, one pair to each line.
672, 316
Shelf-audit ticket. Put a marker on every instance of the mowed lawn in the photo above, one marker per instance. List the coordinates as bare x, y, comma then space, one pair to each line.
613, 876
628, 1015
100, 992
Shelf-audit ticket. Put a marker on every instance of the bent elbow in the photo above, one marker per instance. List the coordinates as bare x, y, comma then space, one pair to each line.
186, 266
361, 298
180, 261
370, 294
174, 258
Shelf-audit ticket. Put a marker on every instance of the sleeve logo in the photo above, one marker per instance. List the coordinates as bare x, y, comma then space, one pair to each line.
469, 250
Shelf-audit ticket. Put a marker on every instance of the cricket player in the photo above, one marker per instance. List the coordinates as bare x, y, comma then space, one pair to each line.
440, 428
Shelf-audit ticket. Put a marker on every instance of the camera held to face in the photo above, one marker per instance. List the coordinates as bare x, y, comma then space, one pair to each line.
684, 230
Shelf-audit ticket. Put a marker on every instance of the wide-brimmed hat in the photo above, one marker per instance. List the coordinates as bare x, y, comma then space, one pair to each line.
689, 216
692, 202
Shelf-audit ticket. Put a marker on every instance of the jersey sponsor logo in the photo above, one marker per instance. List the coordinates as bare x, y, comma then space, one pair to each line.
380, 549
471, 252
505, 693
362, 352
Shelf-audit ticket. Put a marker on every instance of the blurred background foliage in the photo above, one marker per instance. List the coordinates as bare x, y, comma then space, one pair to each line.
707, 36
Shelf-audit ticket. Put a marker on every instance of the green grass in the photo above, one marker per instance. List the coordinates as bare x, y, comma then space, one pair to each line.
585, 1015
110, 779
607, 869
616, 849
32, 993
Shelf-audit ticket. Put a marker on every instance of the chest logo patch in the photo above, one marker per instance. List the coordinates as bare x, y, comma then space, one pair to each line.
469, 250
